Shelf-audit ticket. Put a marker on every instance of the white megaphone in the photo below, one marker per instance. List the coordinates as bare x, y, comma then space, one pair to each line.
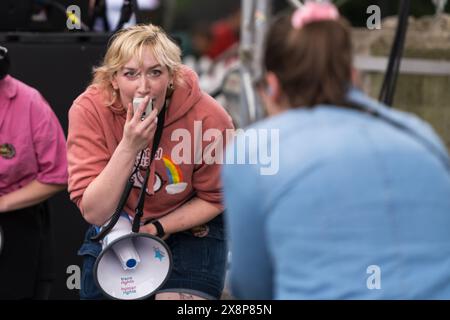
131, 265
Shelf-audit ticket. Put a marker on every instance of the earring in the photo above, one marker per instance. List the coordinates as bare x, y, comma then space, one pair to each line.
170, 90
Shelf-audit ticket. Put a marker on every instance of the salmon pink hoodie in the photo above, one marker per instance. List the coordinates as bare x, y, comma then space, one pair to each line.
96, 128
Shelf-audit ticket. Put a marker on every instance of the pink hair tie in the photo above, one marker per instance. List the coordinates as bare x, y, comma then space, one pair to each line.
314, 11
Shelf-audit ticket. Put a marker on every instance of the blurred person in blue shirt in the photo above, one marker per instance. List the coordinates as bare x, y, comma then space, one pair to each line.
359, 207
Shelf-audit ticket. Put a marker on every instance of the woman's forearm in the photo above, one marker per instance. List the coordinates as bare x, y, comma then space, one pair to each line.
193, 213
103, 194
33, 193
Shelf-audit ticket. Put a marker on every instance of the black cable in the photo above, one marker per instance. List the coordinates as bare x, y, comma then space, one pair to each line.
128, 8
99, 11
115, 217
139, 211
123, 199
126, 193
390, 79
401, 41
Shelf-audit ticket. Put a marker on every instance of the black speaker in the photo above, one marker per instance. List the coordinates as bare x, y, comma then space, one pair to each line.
15, 14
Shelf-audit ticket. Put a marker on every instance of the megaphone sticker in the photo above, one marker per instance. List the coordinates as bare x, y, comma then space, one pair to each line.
158, 253
127, 285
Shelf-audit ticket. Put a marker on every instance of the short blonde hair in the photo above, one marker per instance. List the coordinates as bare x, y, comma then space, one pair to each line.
130, 42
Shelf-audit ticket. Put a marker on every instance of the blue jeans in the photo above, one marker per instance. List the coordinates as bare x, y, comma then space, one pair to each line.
199, 263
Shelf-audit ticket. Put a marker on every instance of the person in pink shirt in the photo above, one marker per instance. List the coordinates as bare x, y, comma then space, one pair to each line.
183, 196
33, 167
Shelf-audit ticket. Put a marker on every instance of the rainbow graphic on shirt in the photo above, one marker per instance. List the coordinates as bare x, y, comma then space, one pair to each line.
175, 177
173, 172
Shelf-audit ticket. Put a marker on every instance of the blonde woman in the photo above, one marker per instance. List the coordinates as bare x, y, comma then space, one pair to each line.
105, 140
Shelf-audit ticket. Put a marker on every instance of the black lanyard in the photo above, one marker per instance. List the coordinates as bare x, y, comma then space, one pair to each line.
126, 193
140, 206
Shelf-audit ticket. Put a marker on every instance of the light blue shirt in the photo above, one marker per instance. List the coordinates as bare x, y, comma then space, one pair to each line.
358, 209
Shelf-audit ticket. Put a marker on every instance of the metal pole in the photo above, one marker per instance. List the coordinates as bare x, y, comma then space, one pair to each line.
246, 57
255, 18
261, 19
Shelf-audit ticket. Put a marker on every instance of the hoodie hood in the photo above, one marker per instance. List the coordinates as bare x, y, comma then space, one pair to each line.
186, 94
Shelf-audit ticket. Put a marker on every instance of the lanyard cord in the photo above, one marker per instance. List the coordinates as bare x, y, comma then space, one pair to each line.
139, 211
395, 57
126, 193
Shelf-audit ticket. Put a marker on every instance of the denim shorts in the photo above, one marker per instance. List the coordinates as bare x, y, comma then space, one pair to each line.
199, 263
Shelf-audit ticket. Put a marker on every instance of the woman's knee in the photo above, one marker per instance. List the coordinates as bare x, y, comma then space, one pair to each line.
178, 296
